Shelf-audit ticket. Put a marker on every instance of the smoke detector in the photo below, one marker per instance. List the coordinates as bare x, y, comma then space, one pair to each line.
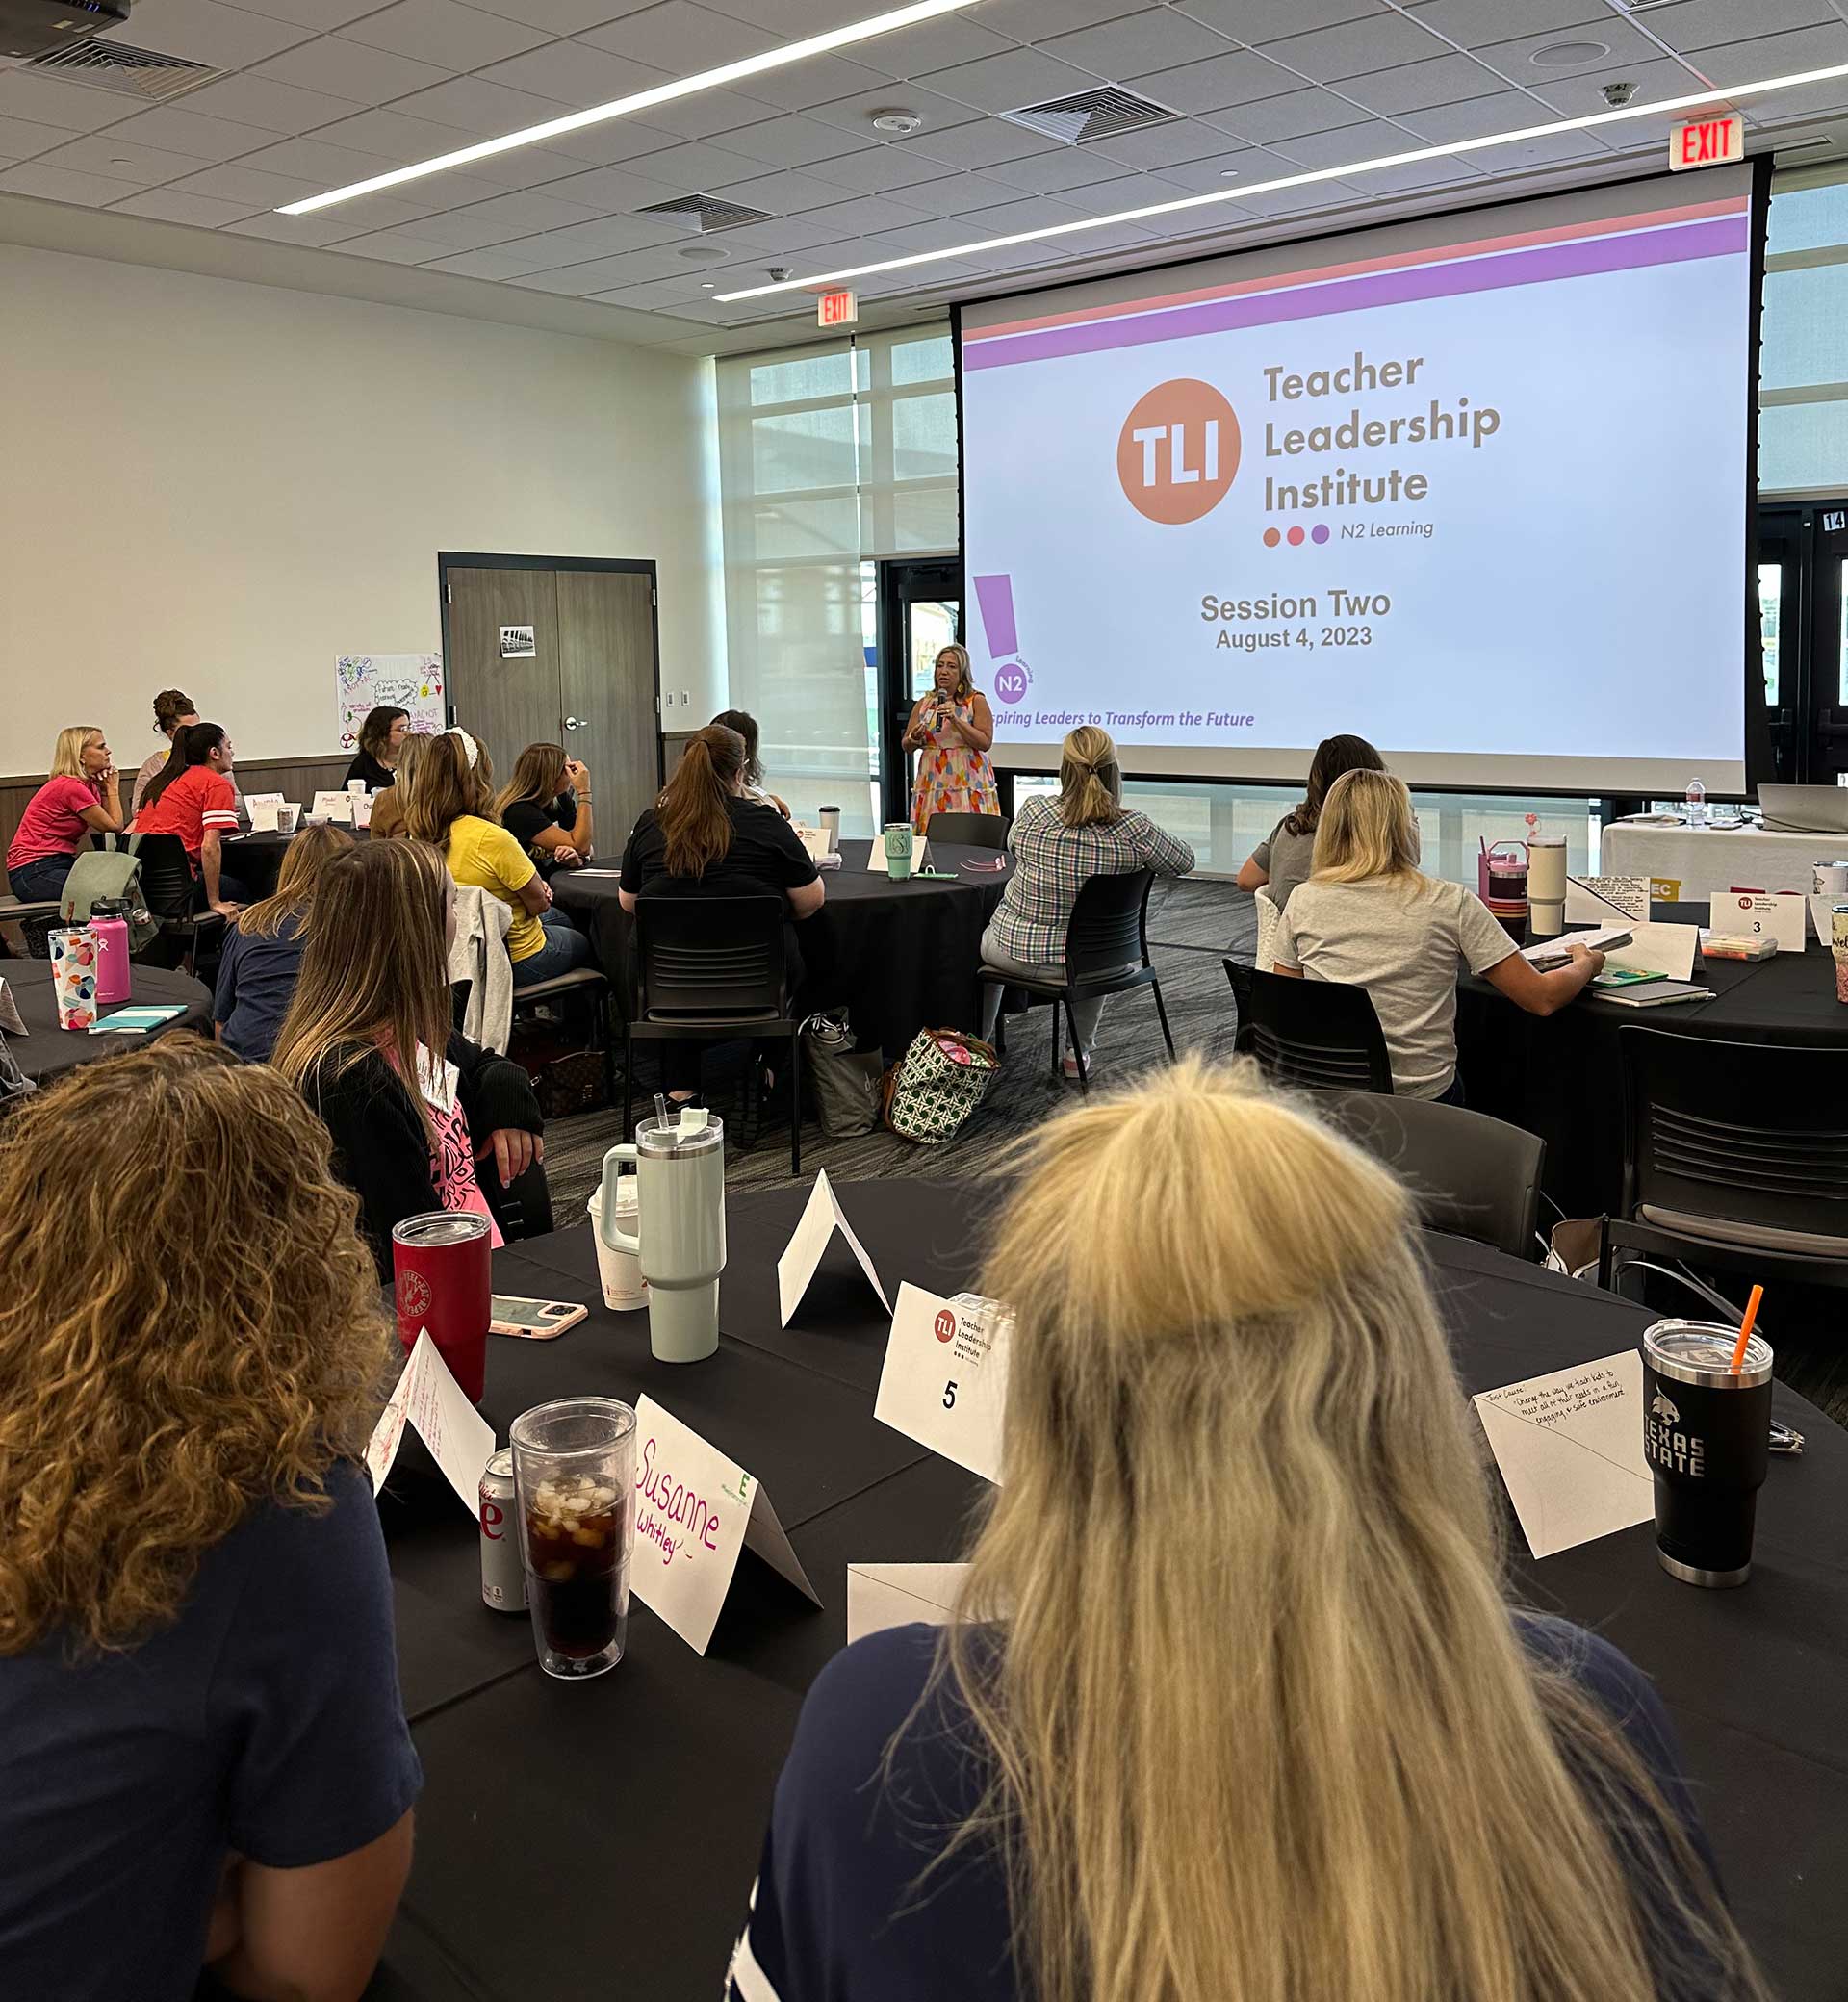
896, 122
1619, 94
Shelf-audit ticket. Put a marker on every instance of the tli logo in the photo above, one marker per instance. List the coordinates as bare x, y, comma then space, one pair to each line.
1177, 453
994, 599
945, 1325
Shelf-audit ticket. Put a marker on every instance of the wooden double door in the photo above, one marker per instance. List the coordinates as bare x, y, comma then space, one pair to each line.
539, 650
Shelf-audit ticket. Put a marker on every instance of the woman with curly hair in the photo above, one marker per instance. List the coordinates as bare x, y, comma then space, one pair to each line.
203, 1754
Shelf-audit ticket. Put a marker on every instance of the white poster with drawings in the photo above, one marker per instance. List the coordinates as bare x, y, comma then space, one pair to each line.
411, 682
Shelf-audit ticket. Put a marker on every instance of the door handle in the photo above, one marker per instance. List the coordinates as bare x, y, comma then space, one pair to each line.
576, 722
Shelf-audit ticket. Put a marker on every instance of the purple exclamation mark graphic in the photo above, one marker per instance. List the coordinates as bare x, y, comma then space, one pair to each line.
994, 599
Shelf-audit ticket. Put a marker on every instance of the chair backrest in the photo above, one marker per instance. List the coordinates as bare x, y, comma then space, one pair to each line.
716, 957
1238, 976
1270, 914
1106, 928
166, 877
1472, 1176
969, 829
1750, 1135
1318, 1035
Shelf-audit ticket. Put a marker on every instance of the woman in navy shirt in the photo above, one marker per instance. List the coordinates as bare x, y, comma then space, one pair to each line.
263, 948
1235, 1706
203, 1754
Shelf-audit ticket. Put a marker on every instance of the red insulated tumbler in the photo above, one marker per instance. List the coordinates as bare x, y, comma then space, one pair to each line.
442, 1284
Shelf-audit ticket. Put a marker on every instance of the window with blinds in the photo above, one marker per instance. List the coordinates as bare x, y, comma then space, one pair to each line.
1803, 371
830, 457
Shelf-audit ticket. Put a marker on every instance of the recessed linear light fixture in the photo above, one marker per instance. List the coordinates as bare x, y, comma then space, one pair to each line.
639, 101
1718, 94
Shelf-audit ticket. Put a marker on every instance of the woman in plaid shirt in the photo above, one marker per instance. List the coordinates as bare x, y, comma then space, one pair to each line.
1058, 846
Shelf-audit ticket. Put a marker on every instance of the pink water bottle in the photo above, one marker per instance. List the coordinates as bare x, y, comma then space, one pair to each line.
109, 928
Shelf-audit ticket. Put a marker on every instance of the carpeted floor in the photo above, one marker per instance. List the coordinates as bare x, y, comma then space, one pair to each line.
1192, 926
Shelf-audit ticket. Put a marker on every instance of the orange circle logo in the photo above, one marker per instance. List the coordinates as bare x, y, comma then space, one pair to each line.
1178, 452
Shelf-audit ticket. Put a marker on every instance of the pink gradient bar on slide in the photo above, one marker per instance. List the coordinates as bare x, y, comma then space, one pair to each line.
994, 596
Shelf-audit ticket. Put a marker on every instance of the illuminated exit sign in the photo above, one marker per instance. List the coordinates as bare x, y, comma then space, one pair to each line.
1706, 142
836, 309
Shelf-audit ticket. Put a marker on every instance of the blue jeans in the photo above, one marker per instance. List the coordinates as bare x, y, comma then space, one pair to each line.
566, 947
40, 880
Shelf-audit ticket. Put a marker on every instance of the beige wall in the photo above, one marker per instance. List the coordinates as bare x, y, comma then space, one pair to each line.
223, 486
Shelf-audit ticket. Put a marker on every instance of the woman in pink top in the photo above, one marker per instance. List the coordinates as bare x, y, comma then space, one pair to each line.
82, 796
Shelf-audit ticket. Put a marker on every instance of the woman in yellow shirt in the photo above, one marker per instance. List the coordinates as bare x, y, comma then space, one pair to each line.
451, 807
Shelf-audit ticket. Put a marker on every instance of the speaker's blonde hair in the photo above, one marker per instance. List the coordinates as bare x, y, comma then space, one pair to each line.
67, 753
1084, 795
1366, 829
1255, 1718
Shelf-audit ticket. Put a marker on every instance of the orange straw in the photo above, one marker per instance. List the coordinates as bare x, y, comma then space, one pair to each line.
1745, 1329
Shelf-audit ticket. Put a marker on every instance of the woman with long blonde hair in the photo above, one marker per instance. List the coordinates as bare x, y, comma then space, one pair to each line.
1059, 842
263, 949
547, 808
422, 1118
388, 804
82, 796
1233, 1706
1368, 918
203, 1754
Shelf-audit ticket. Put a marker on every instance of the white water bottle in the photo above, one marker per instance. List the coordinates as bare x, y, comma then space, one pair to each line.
1696, 803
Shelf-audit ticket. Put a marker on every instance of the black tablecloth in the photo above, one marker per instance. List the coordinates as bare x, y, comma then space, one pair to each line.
47, 1050
256, 859
1560, 1077
599, 1841
899, 956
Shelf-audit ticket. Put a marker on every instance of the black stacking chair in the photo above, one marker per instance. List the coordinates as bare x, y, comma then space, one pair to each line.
711, 969
1105, 952
1471, 1175
172, 892
969, 829
1311, 1034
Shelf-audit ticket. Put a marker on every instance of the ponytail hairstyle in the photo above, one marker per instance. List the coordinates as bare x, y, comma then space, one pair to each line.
1334, 757
1367, 830
1233, 1664
746, 726
693, 814
169, 706
453, 777
1088, 778
192, 745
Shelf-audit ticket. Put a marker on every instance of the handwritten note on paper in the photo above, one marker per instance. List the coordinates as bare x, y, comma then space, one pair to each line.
880, 1596
431, 1403
821, 1217
1570, 1448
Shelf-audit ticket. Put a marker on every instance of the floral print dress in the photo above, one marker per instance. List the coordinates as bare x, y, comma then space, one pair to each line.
951, 778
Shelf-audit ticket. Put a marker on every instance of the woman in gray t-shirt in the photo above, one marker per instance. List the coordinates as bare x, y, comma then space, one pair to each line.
1287, 857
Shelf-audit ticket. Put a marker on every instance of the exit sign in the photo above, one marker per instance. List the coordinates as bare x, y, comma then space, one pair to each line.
836, 309
1706, 142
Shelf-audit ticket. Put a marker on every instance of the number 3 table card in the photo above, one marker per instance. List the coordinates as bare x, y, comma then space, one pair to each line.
945, 1380
695, 1510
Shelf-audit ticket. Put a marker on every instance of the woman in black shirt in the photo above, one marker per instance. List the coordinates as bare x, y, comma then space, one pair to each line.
546, 807
379, 737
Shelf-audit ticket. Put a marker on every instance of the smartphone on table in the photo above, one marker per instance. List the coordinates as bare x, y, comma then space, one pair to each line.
533, 1321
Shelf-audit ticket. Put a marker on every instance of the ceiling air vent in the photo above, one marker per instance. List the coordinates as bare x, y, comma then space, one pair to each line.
1105, 112
131, 72
706, 212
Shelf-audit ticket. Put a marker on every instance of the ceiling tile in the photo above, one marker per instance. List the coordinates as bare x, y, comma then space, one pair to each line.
313, 232
980, 142
439, 31
955, 193
21, 139
1206, 176
254, 100
573, 75
1354, 48
939, 44
1005, 82
1575, 96
1265, 20
694, 168
880, 169
366, 213
42, 100
1705, 24
249, 185
351, 69
797, 140
108, 153
1050, 173
709, 114
1139, 45
1038, 20
228, 38
786, 194
606, 235
680, 37
529, 213
322, 16
861, 215
1470, 22
1347, 144
563, 16
791, 19
486, 109
780, 238
1216, 85
179, 131
315, 160
464, 229
483, 264
1497, 111
64, 183
1413, 86
1777, 55
617, 190
394, 246
855, 114
1277, 119
1514, 58
817, 81
168, 205
1162, 146
1131, 190
609, 143
1549, 150
942, 233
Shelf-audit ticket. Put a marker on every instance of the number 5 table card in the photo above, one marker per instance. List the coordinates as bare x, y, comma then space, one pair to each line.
821, 1217
695, 1510
945, 1378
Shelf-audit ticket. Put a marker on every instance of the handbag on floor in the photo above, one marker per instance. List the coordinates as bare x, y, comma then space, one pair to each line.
938, 1083
845, 1081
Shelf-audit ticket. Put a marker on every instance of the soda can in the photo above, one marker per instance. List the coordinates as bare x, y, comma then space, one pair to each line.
503, 1576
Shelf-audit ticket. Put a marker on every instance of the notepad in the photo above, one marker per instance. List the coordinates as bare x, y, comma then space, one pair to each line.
135, 1021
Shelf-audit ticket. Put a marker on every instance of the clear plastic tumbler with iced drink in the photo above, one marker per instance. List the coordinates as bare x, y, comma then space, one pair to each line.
574, 1470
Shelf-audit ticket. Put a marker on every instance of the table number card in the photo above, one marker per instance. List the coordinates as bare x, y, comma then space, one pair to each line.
945, 1378
431, 1401
695, 1511
1745, 915
821, 1217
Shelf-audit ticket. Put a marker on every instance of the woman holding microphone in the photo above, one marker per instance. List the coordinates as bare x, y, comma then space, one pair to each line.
953, 725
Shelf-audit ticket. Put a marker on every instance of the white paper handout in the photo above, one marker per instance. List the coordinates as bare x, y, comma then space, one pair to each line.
431, 1401
1548, 953
1659, 949
1600, 900
332, 806
821, 1217
1570, 1448
921, 856
945, 1378
880, 1596
695, 1510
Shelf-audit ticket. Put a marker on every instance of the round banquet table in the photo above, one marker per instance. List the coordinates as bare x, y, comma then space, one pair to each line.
256, 859
899, 956
600, 1840
46, 1051
1562, 1076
